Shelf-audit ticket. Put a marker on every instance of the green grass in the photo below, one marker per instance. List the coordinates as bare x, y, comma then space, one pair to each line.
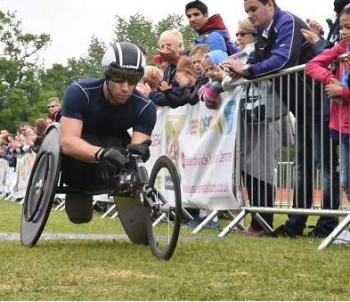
234, 268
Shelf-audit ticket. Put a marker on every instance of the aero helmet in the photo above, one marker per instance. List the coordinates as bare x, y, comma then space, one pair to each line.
124, 61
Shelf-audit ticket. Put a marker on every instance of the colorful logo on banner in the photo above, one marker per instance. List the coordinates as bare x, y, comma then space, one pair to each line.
174, 125
228, 114
216, 121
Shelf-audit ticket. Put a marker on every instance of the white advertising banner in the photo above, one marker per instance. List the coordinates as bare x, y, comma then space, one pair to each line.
24, 166
201, 143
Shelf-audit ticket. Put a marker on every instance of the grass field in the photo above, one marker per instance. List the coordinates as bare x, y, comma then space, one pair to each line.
237, 267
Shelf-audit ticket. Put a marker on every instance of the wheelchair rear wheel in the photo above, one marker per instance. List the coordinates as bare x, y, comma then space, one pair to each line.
41, 188
163, 227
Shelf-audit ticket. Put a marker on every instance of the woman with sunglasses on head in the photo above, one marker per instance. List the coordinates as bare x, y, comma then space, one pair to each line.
95, 118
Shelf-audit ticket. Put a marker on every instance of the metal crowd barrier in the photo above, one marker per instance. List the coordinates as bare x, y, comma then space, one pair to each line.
289, 163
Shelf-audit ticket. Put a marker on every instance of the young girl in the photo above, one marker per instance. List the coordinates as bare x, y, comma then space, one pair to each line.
210, 92
337, 90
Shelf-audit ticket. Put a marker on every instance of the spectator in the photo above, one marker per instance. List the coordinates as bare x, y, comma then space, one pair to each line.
280, 44
171, 49
30, 136
258, 181
54, 109
186, 76
328, 161
40, 126
337, 90
159, 62
152, 77
211, 31
246, 40
197, 54
210, 92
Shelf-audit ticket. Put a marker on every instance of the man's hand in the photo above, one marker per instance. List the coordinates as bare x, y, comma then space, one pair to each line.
310, 36
141, 149
112, 157
169, 55
315, 27
334, 88
235, 67
219, 73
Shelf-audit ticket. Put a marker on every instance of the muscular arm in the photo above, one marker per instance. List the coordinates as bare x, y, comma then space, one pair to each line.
138, 137
72, 143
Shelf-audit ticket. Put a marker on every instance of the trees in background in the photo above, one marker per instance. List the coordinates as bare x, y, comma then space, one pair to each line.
143, 32
26, 85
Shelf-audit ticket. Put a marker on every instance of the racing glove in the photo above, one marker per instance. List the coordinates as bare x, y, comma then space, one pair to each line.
141, 149
112, 158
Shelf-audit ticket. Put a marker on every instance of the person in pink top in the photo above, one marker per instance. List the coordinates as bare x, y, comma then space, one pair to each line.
336, 84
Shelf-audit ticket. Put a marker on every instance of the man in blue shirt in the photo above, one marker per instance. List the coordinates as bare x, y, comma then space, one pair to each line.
280, 44
211, 30
95, 118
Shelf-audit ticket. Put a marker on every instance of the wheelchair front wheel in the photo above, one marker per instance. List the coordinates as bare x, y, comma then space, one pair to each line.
163, 227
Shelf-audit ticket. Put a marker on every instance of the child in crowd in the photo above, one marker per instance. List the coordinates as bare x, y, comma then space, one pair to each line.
153, 77
197, 54
210, 92
186, 76
337, 90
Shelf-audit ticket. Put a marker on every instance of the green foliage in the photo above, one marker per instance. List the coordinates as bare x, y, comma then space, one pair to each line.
87, 66
144, 33
20, 89
14, 109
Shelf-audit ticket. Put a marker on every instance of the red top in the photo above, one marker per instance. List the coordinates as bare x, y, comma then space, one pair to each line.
318, 68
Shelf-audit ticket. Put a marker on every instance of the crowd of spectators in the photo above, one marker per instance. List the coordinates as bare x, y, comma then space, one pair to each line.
268, 40
27, 137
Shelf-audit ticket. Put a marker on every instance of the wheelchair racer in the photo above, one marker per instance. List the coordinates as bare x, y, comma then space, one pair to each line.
95, 118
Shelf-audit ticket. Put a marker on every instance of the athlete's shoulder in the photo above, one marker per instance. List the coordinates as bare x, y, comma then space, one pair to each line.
90, 83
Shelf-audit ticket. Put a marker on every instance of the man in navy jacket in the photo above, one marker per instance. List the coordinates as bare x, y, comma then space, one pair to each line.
280, 45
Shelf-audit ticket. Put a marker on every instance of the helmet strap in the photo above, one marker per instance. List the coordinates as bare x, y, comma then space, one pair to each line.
109, 94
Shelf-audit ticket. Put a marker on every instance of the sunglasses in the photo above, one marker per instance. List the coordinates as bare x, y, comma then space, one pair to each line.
243, 34
120, 75
51, 106
122, 79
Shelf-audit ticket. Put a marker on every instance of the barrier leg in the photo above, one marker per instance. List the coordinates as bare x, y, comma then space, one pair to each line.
186, 214
115, 215
108, 211
61, 206
336, 232
159, 220
262, 222
8, 197
205, 221
233, 223
240, 225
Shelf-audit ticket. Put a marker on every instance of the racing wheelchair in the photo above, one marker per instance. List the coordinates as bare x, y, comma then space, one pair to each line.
149, 207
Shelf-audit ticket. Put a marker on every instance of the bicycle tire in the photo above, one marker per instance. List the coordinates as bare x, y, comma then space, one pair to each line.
159, 248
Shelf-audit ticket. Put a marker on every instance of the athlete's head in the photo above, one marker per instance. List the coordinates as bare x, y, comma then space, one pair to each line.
124, 66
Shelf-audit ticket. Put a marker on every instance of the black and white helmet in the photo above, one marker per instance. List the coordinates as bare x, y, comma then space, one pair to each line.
124, 60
